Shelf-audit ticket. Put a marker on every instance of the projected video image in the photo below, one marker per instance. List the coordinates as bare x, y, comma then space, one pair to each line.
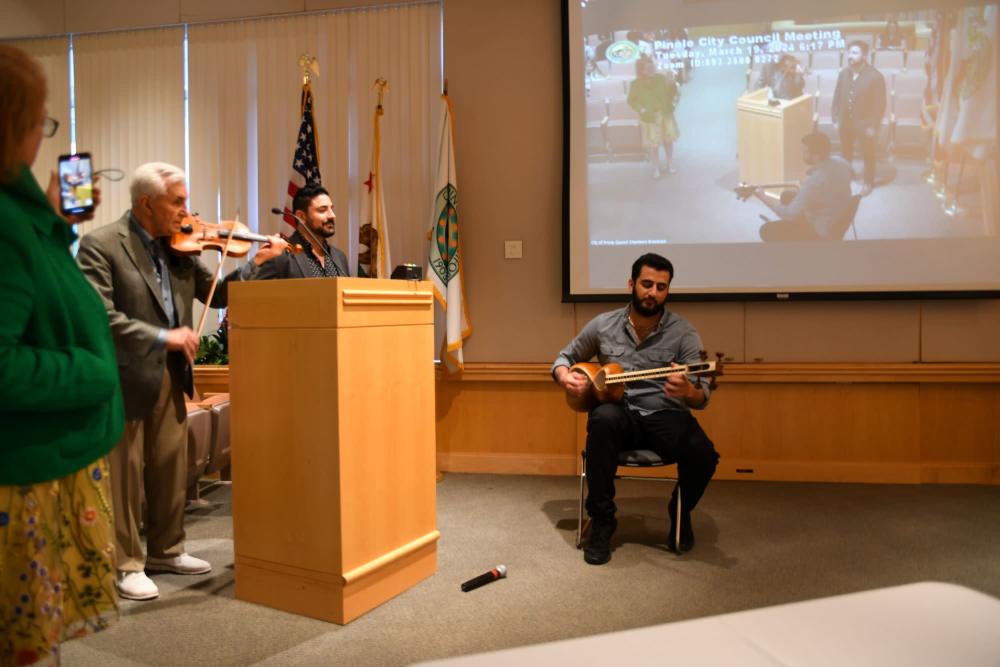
879, 128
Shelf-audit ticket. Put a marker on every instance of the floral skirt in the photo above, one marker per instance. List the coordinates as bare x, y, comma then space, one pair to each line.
663, 129
57, 579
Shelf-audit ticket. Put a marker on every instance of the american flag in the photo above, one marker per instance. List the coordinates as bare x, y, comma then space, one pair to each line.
305, 163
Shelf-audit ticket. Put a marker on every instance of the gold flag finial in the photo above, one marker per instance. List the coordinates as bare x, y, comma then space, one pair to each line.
381, 85
310, 67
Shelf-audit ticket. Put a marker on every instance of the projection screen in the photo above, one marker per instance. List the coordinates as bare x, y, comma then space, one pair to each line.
685, 128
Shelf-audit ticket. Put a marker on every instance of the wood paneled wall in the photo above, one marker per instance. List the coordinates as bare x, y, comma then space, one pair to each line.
893, 423
885, 423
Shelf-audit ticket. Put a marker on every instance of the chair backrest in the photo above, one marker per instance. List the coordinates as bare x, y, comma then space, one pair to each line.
888, 60
915, 60
622, 70
199, 443
619, 110
826, 86
910, 83
596, 111
822, 60
908, 110
221, 452
603, 89
811, 83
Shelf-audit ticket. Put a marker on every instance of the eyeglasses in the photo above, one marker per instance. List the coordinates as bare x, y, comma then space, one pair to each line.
49, 127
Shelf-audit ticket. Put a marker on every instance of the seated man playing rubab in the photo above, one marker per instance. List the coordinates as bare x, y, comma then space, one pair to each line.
653, 414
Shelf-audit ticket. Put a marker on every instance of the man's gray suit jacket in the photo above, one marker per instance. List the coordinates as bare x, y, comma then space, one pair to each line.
119, 266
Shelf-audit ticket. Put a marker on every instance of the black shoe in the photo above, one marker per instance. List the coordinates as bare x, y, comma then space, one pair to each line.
598, 552
687, 535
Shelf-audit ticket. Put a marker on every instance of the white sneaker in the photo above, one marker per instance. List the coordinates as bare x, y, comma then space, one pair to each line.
136, 586
183, 564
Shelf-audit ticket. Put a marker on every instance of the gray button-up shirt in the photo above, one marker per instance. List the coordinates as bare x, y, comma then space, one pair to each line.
611, 339
156, 254
824, 198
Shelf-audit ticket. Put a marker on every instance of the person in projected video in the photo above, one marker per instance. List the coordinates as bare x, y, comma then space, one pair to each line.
786, 80
654, 97
858, 108
891, 37
821, 209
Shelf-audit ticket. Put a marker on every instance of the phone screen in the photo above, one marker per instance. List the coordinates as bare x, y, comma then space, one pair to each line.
76, 183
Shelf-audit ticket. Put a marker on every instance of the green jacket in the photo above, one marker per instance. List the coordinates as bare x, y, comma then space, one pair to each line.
652, 94
60, 401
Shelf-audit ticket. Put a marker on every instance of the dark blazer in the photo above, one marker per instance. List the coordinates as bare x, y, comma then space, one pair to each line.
869, 103
116, 262
288, 265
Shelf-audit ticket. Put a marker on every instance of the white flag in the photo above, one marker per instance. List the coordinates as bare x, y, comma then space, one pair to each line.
444, 262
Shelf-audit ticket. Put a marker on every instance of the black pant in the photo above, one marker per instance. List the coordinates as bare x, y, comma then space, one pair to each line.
849, 133
788, 230
674, 435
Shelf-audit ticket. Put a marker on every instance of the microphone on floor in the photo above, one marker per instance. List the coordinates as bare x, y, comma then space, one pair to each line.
499, 572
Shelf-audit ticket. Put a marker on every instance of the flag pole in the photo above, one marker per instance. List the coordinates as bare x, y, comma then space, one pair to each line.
305, 157
378, 248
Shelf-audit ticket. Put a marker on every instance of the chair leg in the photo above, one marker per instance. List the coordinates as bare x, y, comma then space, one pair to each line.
579, 517
677, 520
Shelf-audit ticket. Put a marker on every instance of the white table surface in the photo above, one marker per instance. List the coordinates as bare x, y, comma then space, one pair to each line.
926, 623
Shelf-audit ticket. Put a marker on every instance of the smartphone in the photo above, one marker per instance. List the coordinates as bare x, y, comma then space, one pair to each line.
76, 184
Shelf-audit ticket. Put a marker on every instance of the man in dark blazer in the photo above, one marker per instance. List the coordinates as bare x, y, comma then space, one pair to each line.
316, 224
858, 108
149, 293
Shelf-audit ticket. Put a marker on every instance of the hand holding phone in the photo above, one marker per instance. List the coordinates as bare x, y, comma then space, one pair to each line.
76, 185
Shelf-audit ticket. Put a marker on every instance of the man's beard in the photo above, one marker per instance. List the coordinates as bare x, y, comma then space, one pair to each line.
638, 306
321, 231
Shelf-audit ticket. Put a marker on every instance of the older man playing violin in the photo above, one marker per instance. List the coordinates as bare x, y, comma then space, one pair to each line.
148, 293
653, 415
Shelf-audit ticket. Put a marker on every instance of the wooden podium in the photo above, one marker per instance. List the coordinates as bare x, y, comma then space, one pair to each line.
332, 385
770, 137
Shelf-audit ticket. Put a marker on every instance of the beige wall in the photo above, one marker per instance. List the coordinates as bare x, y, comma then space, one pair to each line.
502, 60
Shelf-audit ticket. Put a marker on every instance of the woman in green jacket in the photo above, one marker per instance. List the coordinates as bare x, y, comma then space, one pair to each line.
60, 402
654, 97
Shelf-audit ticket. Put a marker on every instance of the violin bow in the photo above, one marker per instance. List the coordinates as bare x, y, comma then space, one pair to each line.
215, 282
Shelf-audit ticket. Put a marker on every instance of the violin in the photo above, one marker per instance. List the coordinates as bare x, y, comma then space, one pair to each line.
197, 235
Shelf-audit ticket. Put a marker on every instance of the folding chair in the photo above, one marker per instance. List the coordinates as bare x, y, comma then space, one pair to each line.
624, 135
199, 444
630, 458
220, 456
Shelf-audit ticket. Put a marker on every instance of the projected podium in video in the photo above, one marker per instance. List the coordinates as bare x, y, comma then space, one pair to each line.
770, 137
332, 384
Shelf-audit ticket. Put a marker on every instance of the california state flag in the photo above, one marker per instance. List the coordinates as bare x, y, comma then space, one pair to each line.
373, 236
444, 262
